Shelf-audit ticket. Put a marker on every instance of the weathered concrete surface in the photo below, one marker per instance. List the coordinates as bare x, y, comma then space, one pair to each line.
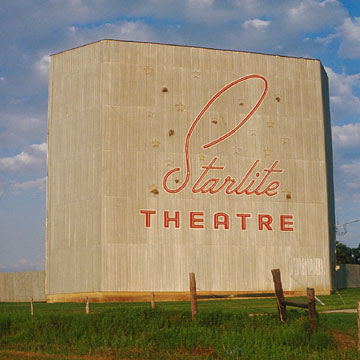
132, 129
348, 276
22, 286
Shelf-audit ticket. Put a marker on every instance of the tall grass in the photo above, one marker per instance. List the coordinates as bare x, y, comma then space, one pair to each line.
133, 332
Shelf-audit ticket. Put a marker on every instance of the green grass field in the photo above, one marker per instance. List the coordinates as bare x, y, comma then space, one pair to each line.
223, 329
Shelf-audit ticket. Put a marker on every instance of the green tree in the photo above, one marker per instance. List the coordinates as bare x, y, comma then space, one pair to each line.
356, 252
346, 255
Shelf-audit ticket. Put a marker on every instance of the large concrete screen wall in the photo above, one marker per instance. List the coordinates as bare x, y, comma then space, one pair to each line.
22, 286
165, 160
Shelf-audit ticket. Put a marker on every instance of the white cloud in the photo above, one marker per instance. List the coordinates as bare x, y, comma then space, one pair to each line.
200, 3
311, 15
15, 162
351, 29
250, 6
346, 136
275, 27
19, 122
42, 66
40, 147
351, 169
342, 96
257, 24
325, 40
20, 128
2, 188
78, 7
35, 157
38, 184
124, 30
350, 180
349, 33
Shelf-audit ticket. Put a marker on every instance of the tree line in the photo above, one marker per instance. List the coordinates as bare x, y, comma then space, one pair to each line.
347, 255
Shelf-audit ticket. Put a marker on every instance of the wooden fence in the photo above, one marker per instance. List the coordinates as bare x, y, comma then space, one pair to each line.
282, 302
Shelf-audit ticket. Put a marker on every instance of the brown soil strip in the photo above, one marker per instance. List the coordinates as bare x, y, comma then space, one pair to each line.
344, 341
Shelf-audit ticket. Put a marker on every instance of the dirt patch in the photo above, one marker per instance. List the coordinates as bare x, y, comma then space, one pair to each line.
198, 351
344, 341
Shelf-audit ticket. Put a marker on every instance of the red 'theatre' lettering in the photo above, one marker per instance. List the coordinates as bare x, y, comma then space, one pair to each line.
286, 225
175, 219
211, 184
243, 219
221, 219
196, 222
265, 220
147, 214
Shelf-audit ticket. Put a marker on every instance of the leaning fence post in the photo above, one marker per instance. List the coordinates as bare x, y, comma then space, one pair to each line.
311, 307
152, 300
358, 314
279, 294
193, 295
87, 309
31, 307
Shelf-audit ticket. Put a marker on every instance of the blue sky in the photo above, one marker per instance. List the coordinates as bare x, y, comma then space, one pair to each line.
328, 30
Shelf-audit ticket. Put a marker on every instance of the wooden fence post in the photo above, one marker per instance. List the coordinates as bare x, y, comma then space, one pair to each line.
279, 294
311, 307
358, 314
31, 307
152, 300
87, 309
193, 295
